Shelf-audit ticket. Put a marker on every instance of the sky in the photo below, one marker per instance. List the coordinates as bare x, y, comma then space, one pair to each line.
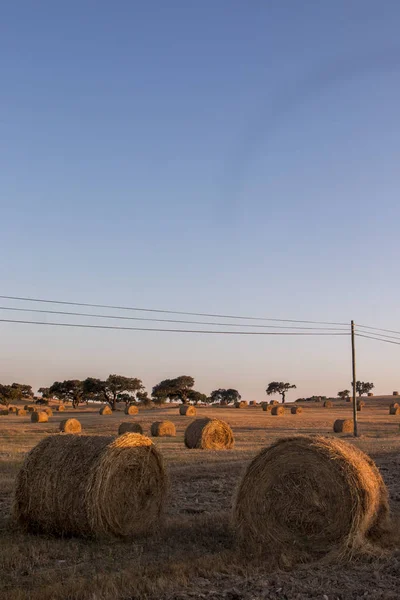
222, 157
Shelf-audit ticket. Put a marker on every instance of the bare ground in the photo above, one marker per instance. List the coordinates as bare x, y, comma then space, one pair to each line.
195, 555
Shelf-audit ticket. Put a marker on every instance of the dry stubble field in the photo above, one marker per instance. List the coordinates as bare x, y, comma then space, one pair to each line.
195, 555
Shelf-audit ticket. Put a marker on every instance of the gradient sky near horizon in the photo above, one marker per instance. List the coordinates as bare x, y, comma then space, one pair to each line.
223, 157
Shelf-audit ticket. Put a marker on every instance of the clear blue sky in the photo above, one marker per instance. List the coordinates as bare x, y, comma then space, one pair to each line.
233, 157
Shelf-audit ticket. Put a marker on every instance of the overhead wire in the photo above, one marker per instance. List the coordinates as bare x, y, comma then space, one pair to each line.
370, 337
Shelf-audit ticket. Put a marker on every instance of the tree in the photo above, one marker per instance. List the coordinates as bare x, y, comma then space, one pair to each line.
70, 390
363, 387
173, 389
222, 395
21, 390
278, 387
5, 394
196, 397
45, 391
343, 394
143, 397
115, 388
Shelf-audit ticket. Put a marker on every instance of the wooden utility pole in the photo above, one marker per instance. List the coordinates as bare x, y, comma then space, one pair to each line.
353, 360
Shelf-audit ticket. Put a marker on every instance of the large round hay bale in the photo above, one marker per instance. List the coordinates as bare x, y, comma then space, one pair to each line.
343, 426
241, 404
12, 409
70, 426
91, 485
274, 402
296, 410
39, 417
328, 404
209, 434
48, 411
188, 410
131, 409
394, 410
394, 405
60, 408
129, 427
305, 498
21, 412
163, 429
278, 410
105, 410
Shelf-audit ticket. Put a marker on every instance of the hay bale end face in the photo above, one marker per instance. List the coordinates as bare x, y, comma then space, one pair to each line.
163, 429
131, 409
266, 407
39, 417
328, 404
129, 427
105, 410
278, 410
307, 498
343, 426
209, 434
70, 426
187, 410
241, 404
60, 408
394, 410
296, 410
394, 405
21, 412
91, 486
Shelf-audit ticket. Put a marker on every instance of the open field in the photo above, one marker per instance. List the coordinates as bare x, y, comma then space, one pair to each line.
195, 555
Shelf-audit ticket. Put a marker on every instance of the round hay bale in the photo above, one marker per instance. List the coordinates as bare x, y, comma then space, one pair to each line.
360, 403
394, 410
266, 407
48, 411
21, 412
91, 486
12, 409
4, 412
394, 405
209, 434
39, 417
370, 394
328, 404
70, 426
105, 410
188, 410
60, 408
395, 393
128, 427
163, 429
343, 426
305, 498
241, 404
274, 402
278, 410
131, 409
296, 410
252, 403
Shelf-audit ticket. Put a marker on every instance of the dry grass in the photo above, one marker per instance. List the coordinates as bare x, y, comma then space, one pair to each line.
91, 486
310, 497
195, 554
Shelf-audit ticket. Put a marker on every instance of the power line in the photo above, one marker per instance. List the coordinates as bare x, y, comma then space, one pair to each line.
85, 325
174, 312
91, 315
379, 329
370, 337
383, 335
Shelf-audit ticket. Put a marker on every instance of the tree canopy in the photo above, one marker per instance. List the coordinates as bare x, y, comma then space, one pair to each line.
363, 387
343, 394
223, 395
115, 388
14, 392
173, 389
279, 387
69, 390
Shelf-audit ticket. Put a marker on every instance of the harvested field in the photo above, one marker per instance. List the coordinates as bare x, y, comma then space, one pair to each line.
195, 555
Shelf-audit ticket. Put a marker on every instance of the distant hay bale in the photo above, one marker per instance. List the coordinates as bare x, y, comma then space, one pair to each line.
266, 407
253, 403
273, 402
328, 404
241, 404
395, 393
307, 498
370, 394
70, 426
393, 410
163, 429
278, 410
29, 409
296, 410
105, 410
348, 399
4, 412
209, 434
21, 412
129, 427
188, 410
343, 426
361, 403
39, 417
91, 486
48, 411
131, 409
60, 408
394, 405
12, 409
